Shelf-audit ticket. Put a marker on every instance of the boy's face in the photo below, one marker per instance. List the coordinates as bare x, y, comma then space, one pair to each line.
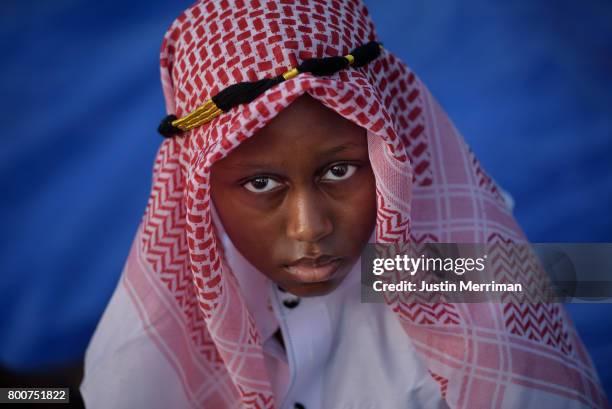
298, 199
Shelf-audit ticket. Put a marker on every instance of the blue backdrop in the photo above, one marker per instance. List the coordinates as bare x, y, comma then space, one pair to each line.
527, 83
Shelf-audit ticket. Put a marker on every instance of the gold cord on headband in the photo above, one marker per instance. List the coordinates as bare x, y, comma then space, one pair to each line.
206, 113
210, 111
247, 91
290, 74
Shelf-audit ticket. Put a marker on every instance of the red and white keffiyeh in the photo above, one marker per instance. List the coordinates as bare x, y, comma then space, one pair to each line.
430, 188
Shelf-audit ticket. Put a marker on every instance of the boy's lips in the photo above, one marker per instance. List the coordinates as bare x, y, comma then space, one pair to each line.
312, 270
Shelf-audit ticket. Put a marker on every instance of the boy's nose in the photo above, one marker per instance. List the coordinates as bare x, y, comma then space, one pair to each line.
308, 220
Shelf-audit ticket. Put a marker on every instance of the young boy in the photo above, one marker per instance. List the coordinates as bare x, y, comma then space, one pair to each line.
294, 140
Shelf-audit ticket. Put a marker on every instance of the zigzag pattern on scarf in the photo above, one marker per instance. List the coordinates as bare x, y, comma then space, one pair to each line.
253, 40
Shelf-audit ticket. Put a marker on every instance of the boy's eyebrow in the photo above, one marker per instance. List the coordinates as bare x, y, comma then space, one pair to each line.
247, 166
340, 148
326, 152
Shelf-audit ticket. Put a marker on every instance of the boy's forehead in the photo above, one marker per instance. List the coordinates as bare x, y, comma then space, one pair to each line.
306, 114
306, 127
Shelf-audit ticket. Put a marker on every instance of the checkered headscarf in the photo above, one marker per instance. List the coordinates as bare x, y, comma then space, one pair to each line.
429, 185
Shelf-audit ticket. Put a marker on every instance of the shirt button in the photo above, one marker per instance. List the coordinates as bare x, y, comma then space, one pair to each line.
291, 303
298, 405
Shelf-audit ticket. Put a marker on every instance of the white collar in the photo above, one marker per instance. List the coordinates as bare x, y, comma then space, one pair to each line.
253, 284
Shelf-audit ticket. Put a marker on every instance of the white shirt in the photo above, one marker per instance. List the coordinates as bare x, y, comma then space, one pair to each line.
339, 352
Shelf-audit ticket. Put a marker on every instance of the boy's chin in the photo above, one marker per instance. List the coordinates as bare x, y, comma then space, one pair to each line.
313, 289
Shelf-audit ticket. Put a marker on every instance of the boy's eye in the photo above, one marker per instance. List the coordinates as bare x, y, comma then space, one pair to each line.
340, 172
261, 184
